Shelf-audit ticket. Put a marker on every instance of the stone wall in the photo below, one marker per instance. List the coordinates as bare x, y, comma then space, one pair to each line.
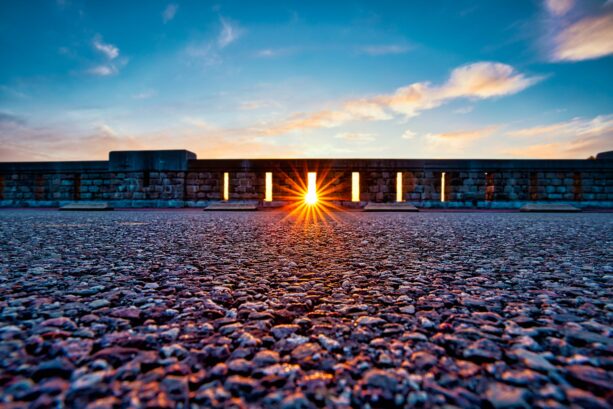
177, 179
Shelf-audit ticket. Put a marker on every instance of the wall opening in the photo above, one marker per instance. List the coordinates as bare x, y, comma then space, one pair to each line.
399, 187
311, 193
355, 186
226, 186
76, 192
146, 178
39, 187
490, 187
577, 186
443, 187
268, 189
534, 193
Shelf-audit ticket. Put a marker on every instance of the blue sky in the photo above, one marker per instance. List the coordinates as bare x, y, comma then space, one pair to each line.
414, 79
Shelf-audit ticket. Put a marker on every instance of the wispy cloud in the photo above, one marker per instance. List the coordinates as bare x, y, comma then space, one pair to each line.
578, 33
350, 111
7, 118
258, 104
61, 141
464, 135
453, 143
103, 70
110, 54
476, 81
575, 127
198, 123
230, 32
209, 51
464, 110
569, 139
559, 7
275, 52
359, 137
109, 50
169, 12
206, 52
408, 134
145, 94
586, 39
68, 140
385, 49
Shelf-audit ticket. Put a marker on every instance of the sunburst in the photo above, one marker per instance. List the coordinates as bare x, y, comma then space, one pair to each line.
312, 199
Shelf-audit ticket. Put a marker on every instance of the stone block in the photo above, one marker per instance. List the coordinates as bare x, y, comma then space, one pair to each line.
150, 160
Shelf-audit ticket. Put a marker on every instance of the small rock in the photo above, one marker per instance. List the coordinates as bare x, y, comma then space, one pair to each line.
533, 360
328, 343
62, 322
305, 351
265, 358
100, 303
59, 367
284, 330
131, 313
483, 350
502, 396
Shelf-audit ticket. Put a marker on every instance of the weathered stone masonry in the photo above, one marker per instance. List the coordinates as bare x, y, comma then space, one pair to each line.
178, 179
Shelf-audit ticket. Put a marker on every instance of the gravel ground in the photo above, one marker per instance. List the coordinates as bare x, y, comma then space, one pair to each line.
165, 309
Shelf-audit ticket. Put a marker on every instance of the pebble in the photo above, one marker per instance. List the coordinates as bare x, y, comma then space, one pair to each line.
99, 303
284, 331
501, 396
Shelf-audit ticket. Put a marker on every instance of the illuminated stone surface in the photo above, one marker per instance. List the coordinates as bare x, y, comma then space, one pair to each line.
161, 308
390, 207
229, 206
84, 206
549, 208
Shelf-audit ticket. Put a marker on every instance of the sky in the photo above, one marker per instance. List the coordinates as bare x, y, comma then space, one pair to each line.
306, 79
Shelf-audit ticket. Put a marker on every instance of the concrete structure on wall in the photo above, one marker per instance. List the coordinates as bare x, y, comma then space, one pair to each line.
177, 178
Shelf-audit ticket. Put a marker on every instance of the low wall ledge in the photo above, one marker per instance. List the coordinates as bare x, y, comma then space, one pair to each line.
131, 161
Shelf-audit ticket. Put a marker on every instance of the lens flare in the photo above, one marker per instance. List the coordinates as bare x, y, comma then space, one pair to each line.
313, 199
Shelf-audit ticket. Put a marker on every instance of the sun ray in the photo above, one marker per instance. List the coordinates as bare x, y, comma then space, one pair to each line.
312, 195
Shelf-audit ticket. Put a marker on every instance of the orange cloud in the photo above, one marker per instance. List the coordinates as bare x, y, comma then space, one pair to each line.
571, 139
465, 136
480, 80
586, 39
358, 137
20, 141
601, 124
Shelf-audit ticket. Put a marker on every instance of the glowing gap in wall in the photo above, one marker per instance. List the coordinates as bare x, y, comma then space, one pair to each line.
399, 187
311, 193
355, 186
226, 186
268, 192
